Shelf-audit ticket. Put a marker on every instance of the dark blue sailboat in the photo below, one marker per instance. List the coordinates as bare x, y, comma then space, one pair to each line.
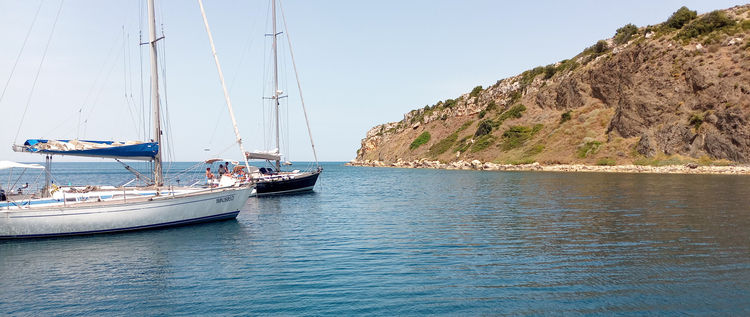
273, 180
272, 183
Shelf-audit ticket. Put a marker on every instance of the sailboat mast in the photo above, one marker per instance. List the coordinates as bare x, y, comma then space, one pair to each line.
275, 80
224, 85
158, 178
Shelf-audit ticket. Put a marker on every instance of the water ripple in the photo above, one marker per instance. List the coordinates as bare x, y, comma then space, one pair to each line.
409, 242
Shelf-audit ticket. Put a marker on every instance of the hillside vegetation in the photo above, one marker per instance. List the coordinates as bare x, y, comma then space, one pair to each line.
671, 93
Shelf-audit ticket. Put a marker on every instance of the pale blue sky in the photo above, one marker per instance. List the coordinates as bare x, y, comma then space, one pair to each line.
361, 63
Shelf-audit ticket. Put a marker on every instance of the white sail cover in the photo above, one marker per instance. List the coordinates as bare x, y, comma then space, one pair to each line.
134, 150
9, 164
264, 155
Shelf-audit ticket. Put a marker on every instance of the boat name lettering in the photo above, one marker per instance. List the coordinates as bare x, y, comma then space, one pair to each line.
224, 199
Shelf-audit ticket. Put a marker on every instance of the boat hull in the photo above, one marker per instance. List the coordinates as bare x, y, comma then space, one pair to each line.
287, 185
159, 212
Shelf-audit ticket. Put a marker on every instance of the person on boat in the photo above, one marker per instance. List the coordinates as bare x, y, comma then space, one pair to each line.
53, 188
228, 171
239, 173
222, 170
209, 175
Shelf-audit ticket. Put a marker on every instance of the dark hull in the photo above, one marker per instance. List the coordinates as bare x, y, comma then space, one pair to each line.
284, 186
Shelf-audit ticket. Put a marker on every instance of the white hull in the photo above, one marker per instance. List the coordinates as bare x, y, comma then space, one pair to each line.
113, 216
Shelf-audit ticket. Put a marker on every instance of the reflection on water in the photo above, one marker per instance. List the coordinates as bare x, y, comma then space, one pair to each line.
399, 241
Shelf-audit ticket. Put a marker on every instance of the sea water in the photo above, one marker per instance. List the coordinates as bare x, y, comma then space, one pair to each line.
383, 241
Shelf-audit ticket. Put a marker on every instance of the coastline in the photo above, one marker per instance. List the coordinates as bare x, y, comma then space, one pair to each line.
575, 168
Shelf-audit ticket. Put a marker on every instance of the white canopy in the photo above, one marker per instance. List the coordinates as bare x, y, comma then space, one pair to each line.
222, 160
9, 164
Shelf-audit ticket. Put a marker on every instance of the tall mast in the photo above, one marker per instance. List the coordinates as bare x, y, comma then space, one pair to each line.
158, 178
275, 81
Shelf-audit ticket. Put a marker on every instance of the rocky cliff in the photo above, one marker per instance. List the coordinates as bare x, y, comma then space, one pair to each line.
671, 93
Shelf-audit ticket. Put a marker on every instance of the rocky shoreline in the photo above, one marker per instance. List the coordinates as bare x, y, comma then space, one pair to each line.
690, 168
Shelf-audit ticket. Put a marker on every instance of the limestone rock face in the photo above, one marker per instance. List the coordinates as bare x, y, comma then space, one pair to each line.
646, 145
730, 138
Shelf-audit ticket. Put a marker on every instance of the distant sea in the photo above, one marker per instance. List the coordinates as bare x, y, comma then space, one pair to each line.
382, 241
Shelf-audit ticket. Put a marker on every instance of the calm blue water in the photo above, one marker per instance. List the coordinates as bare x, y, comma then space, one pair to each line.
378, 241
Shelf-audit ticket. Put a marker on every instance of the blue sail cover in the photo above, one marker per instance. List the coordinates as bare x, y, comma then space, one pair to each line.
89, 148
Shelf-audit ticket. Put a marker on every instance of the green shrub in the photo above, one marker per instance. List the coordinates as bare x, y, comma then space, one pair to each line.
515, 96
516, 136
549, 71
708, 23
484, 128
606, 161
680, 17
449, 103
420, 140
537, 127
444, 117
443, 146
419, 116
600, 47
475, 92
462, 144
597, 49
491, 106
528, 76
565, 116
482, 143
567, 64
534, 150
624, 33
464, 126
514, 112
522, 161
516, 130
482, 114
696, 120
588, 148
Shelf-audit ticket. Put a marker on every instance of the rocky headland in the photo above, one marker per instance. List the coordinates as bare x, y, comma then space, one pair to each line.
673, 97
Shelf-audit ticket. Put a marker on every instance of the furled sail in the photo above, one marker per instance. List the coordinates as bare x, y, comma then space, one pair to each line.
264, 155
133, 150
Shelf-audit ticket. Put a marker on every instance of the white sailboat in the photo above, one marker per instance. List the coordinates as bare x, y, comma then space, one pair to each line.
273, 180
72, 211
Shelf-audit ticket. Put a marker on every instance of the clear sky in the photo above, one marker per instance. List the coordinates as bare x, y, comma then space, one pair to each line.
361, 63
